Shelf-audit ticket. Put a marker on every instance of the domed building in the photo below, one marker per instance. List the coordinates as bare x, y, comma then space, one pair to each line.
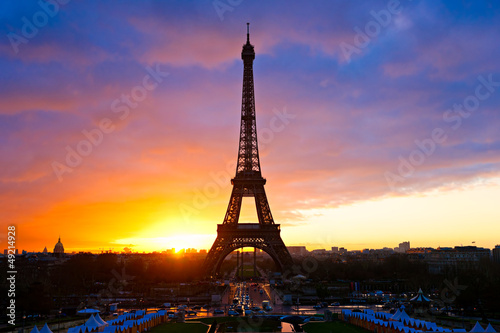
59, 248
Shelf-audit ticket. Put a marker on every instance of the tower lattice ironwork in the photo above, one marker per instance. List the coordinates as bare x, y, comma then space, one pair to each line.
248, 182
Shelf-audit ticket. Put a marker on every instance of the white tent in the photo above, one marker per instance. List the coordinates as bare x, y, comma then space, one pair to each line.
92, 323
396, 315
99, 319
400, 316
404, 316
45, 329
35, 330
477, 328
489, 329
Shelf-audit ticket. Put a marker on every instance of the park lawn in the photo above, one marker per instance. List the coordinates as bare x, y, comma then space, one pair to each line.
335, 326
180, 328
248, 271
210, 320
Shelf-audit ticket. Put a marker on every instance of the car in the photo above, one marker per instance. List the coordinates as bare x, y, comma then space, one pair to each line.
196, 307
218, 311
115, 314
191, 313
317, 307
233, 313
335, 304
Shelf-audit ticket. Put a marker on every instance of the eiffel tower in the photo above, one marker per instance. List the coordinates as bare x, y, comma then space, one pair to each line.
248, 182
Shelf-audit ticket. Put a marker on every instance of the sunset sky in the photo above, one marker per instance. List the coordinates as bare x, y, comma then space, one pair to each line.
378, 121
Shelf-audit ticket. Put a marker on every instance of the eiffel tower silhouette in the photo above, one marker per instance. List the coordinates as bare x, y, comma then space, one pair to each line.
248, 182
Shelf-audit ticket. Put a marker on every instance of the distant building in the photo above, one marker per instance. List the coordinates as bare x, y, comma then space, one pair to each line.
335, 249
342, 250
458, 258
45, 250
297, 250
496, 254
319, 252
59, 248
419, 253
403, 247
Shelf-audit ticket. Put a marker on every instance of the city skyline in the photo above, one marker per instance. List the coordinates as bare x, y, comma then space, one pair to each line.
328, 248
373, 123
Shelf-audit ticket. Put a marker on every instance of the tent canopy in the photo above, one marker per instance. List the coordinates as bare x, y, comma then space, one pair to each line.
100, 320
92, 323
45, 329
490, 329
89, 311
420, 298
477, 328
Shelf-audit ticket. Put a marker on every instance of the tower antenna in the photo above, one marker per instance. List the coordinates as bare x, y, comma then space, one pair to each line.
248, 32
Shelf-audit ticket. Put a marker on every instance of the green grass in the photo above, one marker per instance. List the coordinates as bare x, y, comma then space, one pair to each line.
312, 327
244, 324
180, 328
210, 320
248, 271
336, 326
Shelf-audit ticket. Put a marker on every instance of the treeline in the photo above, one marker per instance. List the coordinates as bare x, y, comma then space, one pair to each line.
41, 284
